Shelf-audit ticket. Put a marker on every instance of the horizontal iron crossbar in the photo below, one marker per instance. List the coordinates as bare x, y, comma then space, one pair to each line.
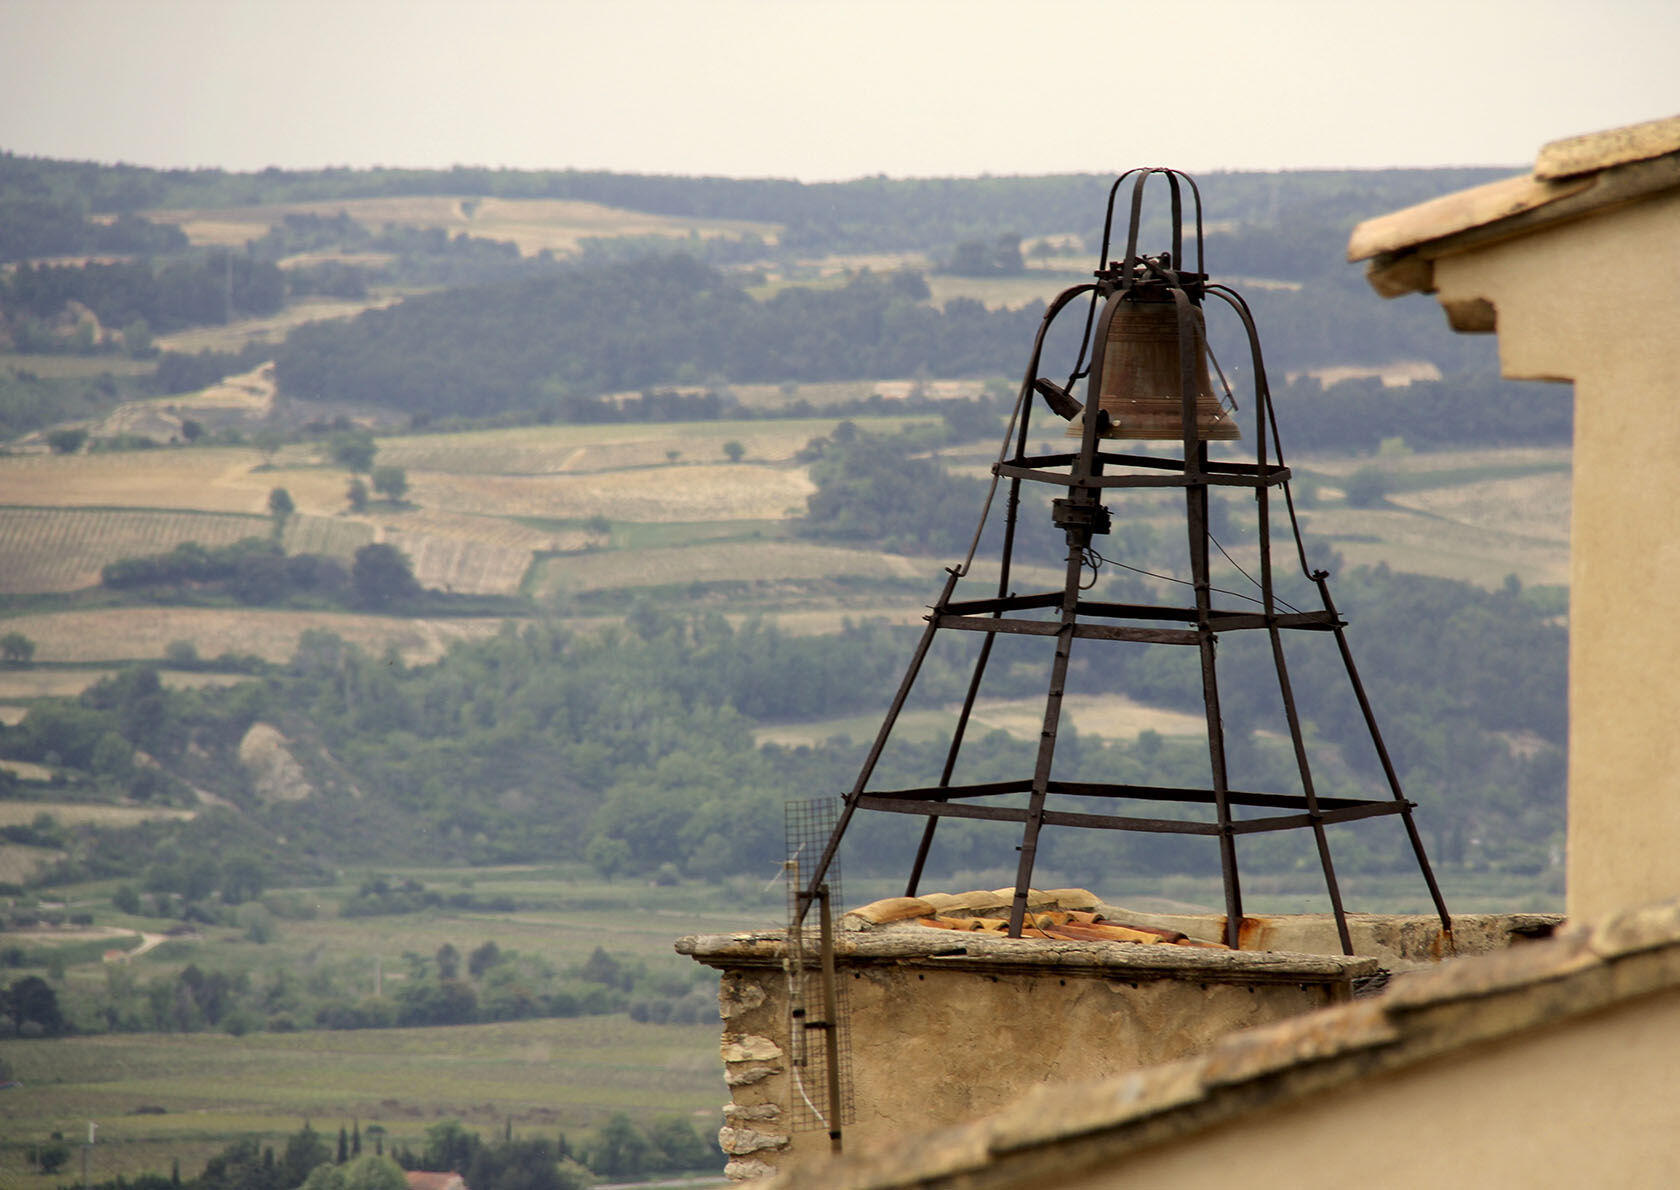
1229, 475
1141, 793
1155, 463
1154, 636
1164, 826
1218, 620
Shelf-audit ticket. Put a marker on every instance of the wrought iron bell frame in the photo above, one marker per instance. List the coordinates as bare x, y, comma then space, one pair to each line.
1084, 475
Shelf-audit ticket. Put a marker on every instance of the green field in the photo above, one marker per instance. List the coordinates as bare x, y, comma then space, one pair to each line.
546, 1076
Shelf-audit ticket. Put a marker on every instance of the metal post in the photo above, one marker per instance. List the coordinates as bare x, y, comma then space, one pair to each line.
831, 1021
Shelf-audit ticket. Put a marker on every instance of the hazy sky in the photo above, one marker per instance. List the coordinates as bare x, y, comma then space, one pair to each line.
820, 89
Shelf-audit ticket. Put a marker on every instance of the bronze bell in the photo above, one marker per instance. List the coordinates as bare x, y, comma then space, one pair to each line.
1140, 387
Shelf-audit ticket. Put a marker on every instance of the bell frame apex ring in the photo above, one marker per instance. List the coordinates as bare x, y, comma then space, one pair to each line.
1143, 356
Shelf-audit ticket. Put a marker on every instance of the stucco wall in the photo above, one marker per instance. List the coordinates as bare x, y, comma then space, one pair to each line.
1586, 1103
1597, 301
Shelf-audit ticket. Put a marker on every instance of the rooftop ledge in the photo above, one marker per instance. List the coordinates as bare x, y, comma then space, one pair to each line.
1288, 948
985, 954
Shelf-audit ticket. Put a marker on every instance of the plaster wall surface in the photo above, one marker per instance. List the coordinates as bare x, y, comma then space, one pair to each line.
1597, 301
1589, 1102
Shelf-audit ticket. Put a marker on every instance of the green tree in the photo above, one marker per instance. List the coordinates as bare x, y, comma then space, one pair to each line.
679, 1148
483, 958
268, 440
356, 494
448, 961
621, 1151
304, 1151
390, 482
381, 576
353, 449
32, 1001
449, 1145
370, 1172
734, 450
608, 855
280, 507
67, 441
16, 649
50, 1158
1367, 487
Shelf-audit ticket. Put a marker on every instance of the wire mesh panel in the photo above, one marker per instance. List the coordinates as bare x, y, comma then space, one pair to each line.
814, 1006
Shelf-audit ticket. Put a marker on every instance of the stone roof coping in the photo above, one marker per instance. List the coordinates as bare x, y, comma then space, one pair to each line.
1426, 1014
989, 953
1573, 177
1601, 150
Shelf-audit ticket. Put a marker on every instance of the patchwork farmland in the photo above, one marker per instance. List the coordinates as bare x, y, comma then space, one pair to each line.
554, 512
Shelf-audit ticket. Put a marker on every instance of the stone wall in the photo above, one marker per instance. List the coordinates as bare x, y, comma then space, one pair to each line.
944, 1029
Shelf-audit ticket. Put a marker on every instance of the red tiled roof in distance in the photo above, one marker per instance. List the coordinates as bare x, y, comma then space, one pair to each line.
422, 1179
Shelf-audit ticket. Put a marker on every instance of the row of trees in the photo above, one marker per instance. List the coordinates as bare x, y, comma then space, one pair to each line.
621, 1148
865, 214
488, 985
257, 570
165, 294
556, 342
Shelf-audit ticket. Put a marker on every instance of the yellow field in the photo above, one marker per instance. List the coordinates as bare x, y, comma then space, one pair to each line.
1104, 716
699, 493
22, 685
1005, 293
334, 536
1426, 463
63, 549
55, 367
463, 564
19, 863
532, 223
553, 450
74, 813
203, 479
723, 562
454, 525
273, 327
1430, 545
143, 633
1534, 508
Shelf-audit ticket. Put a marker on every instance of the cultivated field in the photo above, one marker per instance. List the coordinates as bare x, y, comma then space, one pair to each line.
534, 224
200, 479
273, 327
727, 562
704, 492
57, 367
22, 685
546, 1076
199, 1091
1102, 716
1005, 293
63, 549
143, 633
74, 813
508, 511
552, 450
